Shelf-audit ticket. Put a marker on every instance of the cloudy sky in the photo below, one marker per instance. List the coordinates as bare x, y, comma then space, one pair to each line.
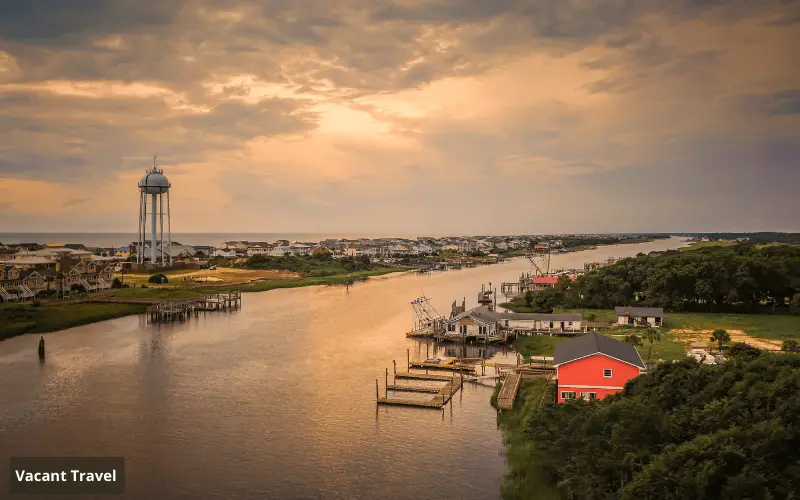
404, 116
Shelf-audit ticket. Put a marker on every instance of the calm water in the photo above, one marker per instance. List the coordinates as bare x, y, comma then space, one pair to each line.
273, 401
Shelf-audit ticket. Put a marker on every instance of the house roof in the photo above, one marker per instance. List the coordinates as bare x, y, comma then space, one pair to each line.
545, 280
639, 312
594, 343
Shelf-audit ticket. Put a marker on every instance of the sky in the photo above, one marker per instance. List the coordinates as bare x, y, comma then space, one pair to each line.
404, 116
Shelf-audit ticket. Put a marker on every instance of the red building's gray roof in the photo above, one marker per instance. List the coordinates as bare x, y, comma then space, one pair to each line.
594, 343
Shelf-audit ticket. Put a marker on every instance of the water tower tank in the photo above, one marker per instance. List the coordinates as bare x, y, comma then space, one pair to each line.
154, 182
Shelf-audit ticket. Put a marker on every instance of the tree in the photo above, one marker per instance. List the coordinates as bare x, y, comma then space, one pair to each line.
795, 304
158, 278
743, 351
790, 346
634, 340
529, 298
652, 335
720, 337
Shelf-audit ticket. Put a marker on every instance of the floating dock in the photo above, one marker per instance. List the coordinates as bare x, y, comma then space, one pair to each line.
439, 399
451, 364
423, 376
181, 310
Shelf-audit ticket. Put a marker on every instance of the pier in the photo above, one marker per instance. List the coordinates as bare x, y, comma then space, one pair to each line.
181, 310
440, 398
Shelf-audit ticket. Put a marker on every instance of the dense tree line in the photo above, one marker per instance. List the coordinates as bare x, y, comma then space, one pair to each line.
755, 238
580, 241
685, 430
740, 277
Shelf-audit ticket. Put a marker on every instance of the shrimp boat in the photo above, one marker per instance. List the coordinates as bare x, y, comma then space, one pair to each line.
427, 322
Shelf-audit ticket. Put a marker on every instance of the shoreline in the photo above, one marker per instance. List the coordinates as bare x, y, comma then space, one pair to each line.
29, 318
52, 317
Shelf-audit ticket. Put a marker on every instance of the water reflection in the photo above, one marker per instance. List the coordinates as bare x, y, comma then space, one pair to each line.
274, 401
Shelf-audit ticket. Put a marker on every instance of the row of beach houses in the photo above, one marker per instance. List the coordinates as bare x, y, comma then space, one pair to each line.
25, 274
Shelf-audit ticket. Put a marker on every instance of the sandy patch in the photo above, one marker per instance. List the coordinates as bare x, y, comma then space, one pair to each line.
223, 275
704, 337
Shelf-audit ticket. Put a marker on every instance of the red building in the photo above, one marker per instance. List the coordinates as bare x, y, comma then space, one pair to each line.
593, 366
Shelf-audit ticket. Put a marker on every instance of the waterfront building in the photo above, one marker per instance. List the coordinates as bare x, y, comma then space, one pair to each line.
593, 366
639, 316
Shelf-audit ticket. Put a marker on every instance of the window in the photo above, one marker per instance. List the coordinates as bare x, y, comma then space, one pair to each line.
506, 323
567, 395
607, 373
588, 395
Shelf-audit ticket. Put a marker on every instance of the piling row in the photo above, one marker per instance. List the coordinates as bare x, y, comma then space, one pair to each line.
181, 310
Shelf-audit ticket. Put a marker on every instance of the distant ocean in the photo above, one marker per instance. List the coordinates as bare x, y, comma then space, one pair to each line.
116, 240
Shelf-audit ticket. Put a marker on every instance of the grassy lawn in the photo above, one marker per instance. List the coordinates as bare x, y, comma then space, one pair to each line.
706, 244
523, 480
603, 315
667, 349
18, 319
767, 326
537, 345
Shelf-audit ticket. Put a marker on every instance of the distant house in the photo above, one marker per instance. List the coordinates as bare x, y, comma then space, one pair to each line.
639, 316
300, 249
542, 282
258, 250
321, 250
279, 250
225, 253
539, 322
593, 366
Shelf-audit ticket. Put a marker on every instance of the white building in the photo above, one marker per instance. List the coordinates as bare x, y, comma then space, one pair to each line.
638, 316
300, 249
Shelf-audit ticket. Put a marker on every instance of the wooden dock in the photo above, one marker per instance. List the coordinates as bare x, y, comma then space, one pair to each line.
451, 364
508, 392
413, 388
439, 399
181, 310
423, 376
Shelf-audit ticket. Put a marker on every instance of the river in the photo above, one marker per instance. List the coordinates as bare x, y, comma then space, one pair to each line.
276, 400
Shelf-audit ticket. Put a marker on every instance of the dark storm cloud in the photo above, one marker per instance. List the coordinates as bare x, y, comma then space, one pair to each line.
64, 21
356, 44
113, 128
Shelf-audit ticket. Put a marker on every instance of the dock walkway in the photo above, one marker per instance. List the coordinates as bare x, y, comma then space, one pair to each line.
508, 392
439, 399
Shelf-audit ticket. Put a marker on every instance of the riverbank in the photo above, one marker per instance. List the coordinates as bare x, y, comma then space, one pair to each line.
522, 480
19, 319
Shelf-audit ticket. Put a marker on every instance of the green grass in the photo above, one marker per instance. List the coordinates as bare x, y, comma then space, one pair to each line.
706, 244
602, 315
523, 480
172, 293
667, 349
537, 345
767, 326
19, 319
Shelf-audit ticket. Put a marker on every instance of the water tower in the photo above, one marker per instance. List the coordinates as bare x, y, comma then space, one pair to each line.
154, 185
